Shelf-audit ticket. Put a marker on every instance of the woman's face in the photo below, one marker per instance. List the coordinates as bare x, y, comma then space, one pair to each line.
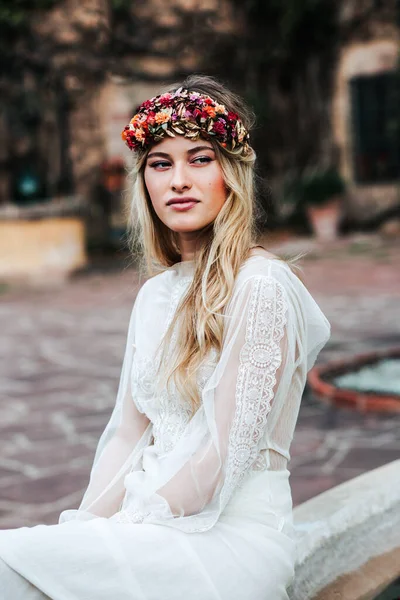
185, 183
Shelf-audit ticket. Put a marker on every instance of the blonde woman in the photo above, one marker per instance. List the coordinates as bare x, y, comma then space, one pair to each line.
189, 494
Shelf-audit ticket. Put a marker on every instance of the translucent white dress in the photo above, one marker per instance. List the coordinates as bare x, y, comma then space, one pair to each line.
181, 507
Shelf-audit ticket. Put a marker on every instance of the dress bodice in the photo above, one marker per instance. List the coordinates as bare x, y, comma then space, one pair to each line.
168, 412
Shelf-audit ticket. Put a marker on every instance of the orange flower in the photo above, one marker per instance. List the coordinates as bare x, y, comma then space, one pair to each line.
220, 109
138, 120
140, 135
210, 110
162, 117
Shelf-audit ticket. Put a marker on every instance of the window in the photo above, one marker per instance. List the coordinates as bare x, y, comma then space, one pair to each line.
375, 111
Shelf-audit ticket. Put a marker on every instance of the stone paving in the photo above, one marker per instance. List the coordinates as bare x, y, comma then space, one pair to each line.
61, 351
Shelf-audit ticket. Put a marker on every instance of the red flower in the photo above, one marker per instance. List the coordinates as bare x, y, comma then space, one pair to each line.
232, 116
150, 119
165, 99
209, 101
219, 128
147, 104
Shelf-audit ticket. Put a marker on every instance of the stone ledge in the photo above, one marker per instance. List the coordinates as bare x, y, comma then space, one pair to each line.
41, 252
342, 531
65, 206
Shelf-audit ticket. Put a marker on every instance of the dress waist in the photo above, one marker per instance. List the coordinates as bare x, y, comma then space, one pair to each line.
265, 497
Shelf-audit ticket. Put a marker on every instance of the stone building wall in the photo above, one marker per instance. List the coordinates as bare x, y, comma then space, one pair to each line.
68, 25
106, 105
105, 108
371, 50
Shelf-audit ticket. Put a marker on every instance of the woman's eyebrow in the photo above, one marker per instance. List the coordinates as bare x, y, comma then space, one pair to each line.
190, 152
198, 148
163, 154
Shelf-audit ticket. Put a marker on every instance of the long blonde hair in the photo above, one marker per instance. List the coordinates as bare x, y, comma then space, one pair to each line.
224, 246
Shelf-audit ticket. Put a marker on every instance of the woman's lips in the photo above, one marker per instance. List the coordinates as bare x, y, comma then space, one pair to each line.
182, 206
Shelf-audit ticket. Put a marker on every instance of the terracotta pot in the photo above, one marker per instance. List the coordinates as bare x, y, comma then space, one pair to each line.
324, 219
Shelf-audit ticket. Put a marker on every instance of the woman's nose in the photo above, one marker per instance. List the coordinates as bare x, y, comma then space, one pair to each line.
180, 180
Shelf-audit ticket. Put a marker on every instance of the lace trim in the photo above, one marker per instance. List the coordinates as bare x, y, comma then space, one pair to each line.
130, 517
259, 359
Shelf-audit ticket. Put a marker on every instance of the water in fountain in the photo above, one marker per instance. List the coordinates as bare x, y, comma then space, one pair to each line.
382, 377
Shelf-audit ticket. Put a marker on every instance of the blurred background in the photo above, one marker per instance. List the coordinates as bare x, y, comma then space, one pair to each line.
323, 78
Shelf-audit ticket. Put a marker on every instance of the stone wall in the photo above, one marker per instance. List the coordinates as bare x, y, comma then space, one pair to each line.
105, 108
348, 538
41, 252
106, 105
362, 57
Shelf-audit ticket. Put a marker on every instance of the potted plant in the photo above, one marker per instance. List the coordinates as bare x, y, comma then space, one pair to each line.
322, 193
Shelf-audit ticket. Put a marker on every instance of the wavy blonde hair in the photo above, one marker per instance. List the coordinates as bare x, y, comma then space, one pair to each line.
224, 246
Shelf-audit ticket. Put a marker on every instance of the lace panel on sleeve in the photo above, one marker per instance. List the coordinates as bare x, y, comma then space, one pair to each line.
259, 360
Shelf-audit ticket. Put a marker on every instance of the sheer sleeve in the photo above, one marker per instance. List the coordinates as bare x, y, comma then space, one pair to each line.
120, 447
261, 352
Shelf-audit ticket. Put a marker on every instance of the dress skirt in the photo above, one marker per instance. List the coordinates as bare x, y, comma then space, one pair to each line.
249, 553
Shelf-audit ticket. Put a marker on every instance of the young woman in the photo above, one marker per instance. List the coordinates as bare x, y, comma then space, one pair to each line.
189, 494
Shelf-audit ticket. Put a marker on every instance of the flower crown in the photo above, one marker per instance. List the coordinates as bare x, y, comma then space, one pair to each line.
185, 113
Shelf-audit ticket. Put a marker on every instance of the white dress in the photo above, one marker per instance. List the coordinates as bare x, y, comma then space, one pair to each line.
180, 507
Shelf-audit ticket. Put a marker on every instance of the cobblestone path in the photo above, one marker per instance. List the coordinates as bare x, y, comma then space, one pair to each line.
60, 360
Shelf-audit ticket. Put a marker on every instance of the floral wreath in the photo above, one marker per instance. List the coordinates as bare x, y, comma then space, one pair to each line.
185, 113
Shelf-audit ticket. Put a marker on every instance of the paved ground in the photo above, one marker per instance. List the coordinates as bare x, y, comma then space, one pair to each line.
60, 358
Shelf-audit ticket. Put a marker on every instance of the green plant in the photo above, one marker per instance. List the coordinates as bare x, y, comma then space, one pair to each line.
314, 187
318, 187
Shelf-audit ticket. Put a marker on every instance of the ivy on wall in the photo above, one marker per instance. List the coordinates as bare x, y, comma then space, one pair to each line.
280, 55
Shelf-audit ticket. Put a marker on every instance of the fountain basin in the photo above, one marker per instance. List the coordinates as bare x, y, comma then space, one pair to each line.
367, 382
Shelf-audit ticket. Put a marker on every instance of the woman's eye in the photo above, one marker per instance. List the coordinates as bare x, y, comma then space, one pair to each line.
202, 159
160, 163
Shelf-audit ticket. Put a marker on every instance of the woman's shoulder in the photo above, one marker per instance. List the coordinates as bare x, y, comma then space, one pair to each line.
154, 280
291, 287
261, 251
278, 273
261, 262
151, 285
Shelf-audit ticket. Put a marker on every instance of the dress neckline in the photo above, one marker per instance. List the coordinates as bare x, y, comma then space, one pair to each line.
185, 268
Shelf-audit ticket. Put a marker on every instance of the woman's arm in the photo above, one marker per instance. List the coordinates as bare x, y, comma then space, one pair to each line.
106, 491
120, 447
